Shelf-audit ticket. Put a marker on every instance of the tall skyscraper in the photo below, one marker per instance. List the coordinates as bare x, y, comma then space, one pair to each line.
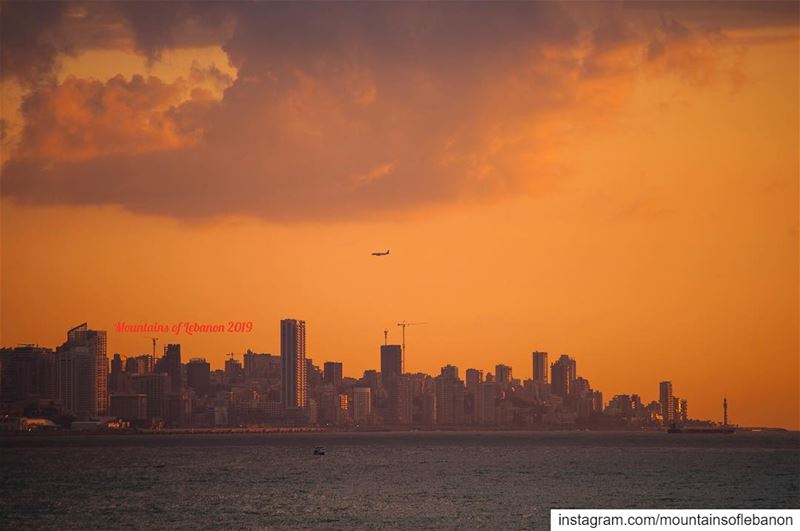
294, 388
82, 372
563, 375
474, 379
540, 366
391, 361
171, 364
332, 373
665, 396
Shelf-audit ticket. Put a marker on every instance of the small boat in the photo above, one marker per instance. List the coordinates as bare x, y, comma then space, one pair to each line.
319, 450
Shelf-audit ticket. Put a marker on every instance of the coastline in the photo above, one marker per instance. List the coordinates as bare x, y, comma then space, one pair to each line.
277, 430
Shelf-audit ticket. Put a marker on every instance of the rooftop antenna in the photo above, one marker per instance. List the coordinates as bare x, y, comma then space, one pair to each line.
153, 356
385, 336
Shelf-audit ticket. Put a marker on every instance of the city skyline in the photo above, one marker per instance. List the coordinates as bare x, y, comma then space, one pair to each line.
490, 264
615, 181
165, 372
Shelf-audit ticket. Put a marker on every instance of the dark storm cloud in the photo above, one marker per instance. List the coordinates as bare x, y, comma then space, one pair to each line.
29, 39
347, 109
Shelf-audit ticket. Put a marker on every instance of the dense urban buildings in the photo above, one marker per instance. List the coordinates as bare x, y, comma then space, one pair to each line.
75, 382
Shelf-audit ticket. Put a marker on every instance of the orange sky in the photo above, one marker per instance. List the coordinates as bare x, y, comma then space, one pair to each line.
628, 195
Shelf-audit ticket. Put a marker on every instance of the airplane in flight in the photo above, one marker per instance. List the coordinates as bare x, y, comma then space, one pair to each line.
379, 253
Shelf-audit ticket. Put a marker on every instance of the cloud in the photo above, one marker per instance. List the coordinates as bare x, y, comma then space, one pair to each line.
344, 110
84, 119
29, 39
176, 24
36, 34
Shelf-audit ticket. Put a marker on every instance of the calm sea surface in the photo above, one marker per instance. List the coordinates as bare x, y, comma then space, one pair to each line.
505, 480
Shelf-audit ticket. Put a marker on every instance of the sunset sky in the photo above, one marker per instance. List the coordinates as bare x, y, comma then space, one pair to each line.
615, 181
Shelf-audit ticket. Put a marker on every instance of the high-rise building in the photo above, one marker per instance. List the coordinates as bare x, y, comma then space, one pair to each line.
474, 378
373, 380
313, 377
450, 371
665, 399
198, 376
391, 361
400, 399
581, 386
597, 401
362, 404
116, 378
328, 405
563, 375
139, 364
332, 373
171, 364
636, 406
82, 372
502, 375
234, 372
294, 388
676, 408
258, 365
540, 366
27, 372
487, 404
344, 407
155, 386
449, 398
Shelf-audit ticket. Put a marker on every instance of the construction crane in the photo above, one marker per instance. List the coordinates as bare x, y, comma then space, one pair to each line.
403, 325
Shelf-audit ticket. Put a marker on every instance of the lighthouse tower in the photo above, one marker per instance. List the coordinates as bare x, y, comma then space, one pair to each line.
724, 411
